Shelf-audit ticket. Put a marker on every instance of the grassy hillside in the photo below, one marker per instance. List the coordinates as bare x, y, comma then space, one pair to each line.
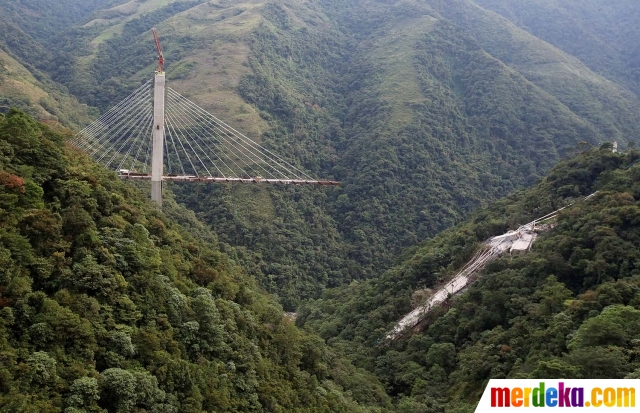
107, 304
19, 88
568, 309
424, 109
44, 20
27, 28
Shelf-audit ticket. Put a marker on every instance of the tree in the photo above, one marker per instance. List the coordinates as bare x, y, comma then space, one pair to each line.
42, 368
616, 325
83, 395
118, 389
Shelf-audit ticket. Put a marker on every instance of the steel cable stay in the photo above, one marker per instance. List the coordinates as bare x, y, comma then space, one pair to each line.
148, 130
115, 129
172, 132
257, 161
185, 122
217, 155
217, 151
181, 131
166, 151
208, 128
112, 130
173, 143
196, 153
228, 129
240, 136
205, 141
133, 133
192, 141
178, 122
114, 113
94, 129
100, 125
145, 87
170, 124
212, 161
148, 152
106, 127
134, 130
119, 135
195, 121
139, 138
269, 156
170, 127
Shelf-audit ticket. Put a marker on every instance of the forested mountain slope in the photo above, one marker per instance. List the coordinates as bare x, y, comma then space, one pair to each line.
20, 88
607, 105
568, 309
424, 109
600, 33
30, 49
44, 20
420, 116
108, 305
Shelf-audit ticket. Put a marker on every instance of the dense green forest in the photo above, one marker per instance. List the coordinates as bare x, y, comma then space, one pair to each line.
599, 33
568, 309
424, 109
108, 305
24, 60
427, 111
474, 126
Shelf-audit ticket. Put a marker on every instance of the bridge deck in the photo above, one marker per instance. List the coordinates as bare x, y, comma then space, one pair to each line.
213, 179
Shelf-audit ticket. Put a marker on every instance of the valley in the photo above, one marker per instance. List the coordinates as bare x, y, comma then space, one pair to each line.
446, 123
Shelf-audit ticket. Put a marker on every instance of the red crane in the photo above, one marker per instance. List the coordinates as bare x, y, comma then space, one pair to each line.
160, 56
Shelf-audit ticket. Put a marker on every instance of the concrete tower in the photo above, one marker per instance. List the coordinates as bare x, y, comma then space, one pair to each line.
157, 152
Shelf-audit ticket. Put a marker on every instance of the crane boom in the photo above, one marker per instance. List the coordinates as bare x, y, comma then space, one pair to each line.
160, 55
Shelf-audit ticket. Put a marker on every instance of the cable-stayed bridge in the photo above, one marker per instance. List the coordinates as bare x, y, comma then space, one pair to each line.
156, 130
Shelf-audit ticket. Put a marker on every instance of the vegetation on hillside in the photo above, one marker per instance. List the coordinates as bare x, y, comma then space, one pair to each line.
600, 33
423, 116
607, 106
568, 309
424, 109
108, 305
38, 96
477, 129
29, 41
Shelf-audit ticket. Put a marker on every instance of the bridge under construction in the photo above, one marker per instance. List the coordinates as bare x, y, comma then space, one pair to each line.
155, 129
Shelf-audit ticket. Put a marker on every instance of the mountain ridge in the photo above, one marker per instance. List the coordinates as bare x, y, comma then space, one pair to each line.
596, 32
453, 115
447, 122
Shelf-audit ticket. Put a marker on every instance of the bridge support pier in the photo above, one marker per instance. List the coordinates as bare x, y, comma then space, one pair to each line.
157, 153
